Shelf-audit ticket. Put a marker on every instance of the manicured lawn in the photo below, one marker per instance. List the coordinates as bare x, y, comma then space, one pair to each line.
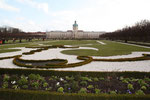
110, 49
8, 50
5, 48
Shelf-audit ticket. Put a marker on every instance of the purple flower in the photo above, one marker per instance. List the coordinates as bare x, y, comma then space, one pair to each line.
129, 91
69, 88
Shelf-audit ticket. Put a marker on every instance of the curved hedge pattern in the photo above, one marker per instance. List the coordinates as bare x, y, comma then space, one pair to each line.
124, 59
2, 58
63, 64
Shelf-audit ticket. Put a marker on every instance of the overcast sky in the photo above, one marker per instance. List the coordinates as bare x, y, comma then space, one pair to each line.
91, 15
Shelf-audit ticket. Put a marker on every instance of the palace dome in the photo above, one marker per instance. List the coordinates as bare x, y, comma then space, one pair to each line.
75, 24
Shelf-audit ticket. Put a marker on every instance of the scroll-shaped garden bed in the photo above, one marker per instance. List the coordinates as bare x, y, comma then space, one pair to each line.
52, 63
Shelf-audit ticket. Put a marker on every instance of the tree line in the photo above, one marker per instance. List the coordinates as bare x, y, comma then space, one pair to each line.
11, 33
138, 32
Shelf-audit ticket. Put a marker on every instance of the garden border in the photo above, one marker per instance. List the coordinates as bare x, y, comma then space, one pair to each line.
9, 94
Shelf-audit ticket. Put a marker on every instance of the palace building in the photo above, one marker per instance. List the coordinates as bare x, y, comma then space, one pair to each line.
73, 34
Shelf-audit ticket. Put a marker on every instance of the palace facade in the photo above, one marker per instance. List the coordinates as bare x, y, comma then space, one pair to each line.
73, 34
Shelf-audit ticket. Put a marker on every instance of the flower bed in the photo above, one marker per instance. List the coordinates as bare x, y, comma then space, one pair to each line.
76, 84
80, 85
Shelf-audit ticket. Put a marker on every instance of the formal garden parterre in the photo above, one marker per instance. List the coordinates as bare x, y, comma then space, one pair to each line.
107, 85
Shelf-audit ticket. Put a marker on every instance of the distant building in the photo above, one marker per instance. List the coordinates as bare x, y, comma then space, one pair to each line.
73, 34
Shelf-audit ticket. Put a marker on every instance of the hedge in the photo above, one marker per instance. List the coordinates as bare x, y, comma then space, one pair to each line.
20, 62
123, 59
33, 51
9, 57
8, 94
73, 73
54, 46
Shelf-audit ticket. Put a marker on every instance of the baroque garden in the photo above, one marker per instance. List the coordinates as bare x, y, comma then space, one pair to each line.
77, 67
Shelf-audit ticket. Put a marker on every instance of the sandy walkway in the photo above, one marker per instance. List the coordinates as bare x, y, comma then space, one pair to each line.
101, 42
54, 54
23, 49
93, 66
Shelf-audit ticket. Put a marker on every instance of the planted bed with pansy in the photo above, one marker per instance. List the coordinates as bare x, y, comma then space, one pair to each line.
77, 83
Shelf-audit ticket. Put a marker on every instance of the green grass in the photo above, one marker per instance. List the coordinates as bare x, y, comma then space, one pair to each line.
110, 49
8, 50
6, 47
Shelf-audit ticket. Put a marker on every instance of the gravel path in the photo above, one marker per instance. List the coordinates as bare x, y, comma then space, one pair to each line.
101, 42
54, 54
23, 49
93, 66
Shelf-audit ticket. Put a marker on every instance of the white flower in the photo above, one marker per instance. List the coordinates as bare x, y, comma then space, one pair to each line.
61, 79
57, 83
13, 82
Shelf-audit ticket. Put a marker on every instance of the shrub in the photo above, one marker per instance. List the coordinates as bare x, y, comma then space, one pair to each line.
48, 89
14, 78
77, 77
134, 80
15, 87
33, 77
75, 85
144, 88
45, 84
90, 87
66, 86
83, 83
130, 87
147, 79
112, 92
139, 92
60, 89
97, 91
95, 79
25, 86
142, 82
101, 78
22, 81
121, 78
82, 90
35, 85
69, 78
86, 79
6, 78
5, 85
